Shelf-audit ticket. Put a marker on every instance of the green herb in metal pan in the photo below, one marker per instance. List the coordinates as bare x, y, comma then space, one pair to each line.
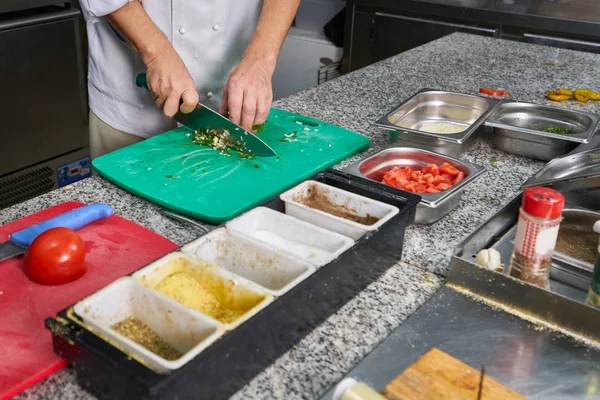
558, 129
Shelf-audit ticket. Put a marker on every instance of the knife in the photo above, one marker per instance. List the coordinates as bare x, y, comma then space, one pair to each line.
204, 117
480, 391
78, 218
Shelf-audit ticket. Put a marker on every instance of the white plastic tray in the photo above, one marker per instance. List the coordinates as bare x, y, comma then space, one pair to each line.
360, 204
298, 238
240, 293
275, 271
186, 331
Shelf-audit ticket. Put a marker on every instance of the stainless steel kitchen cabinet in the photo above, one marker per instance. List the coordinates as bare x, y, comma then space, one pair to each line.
377, 36
43, 112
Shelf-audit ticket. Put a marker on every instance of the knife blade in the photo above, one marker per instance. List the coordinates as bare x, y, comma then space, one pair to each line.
75, 219
204, 117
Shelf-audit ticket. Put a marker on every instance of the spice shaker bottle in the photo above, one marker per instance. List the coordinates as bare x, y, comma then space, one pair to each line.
593, 298
351, 389
540, 215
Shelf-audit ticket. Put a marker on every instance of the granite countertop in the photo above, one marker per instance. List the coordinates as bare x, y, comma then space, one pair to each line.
458, 62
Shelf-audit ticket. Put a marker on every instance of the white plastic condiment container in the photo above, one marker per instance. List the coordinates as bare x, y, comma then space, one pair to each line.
271, 269
186, 331
351, 389
243, 294
311, 243
359, 205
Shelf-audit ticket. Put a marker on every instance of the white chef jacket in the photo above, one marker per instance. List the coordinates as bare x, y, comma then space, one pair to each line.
209, 35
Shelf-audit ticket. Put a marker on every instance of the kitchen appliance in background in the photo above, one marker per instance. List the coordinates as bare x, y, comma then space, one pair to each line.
299, 61
299, 66
313, 15
44, 130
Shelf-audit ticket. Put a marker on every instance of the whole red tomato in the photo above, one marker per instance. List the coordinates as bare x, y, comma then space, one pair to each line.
55, 257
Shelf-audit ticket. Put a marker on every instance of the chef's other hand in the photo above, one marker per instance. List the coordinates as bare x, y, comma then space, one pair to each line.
248, 94
169, 82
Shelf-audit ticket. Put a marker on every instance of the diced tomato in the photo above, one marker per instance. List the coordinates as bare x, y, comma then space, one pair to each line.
395, 174
494, 92
416, 175
459, 177
429, 179
411, 187
431, 169
446, 178
446, 168
420, 188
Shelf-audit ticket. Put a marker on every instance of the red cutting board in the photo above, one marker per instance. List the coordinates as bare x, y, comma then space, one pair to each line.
115, 247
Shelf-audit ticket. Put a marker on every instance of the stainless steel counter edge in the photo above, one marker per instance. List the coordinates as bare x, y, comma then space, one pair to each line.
575, 317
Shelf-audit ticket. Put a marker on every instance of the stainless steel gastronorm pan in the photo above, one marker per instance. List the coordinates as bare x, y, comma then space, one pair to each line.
432, 206
519, 129
467, 112
565, 268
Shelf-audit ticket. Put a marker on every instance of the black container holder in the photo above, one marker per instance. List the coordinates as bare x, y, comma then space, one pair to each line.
237, 357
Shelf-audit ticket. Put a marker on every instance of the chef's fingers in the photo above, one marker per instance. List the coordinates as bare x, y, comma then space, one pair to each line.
262, 110
189, 99
224, 99
171, 104
159, 101
234, 103
249, 109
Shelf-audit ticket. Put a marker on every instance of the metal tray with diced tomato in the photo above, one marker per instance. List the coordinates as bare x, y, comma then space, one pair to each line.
394, 165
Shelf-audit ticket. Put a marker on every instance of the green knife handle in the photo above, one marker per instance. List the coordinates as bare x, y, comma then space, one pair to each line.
141, 81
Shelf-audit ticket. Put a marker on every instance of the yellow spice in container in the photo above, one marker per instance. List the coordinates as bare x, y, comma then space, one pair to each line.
182, 287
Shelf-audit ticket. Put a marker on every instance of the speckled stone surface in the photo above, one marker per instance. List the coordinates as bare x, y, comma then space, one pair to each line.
458, 62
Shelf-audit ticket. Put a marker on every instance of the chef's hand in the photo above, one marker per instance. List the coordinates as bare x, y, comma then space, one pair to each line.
169, 81
248, 94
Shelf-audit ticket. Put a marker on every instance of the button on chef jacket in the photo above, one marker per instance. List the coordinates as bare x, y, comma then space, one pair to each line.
209, 35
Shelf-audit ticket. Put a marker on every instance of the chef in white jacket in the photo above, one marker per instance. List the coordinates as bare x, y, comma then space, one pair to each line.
219, 52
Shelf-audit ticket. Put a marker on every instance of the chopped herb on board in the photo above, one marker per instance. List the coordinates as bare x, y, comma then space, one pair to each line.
255, 165
171, 177
494, 160
220, 140
290, 137
258, 128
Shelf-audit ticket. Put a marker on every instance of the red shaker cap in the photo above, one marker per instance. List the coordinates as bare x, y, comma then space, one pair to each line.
542, 202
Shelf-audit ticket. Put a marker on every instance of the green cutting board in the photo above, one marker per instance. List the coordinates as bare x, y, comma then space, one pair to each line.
195, 180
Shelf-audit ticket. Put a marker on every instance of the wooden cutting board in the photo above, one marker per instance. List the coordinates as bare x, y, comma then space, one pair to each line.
437, 375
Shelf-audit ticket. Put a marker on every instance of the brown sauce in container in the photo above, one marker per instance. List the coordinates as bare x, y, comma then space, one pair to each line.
318, 200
